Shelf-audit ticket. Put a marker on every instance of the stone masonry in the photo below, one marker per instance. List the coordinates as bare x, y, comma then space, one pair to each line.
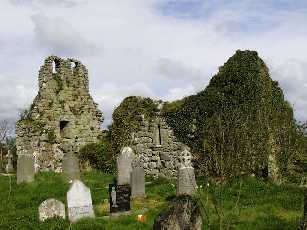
63, 113
157, 147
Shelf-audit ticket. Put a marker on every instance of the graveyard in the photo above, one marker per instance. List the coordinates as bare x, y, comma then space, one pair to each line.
261, 206
228, 157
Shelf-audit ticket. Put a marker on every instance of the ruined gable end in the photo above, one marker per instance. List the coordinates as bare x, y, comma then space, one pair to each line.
63, 116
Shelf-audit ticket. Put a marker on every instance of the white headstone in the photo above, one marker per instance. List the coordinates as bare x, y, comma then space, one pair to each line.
79, 202
51, 208
186, 183
124, 166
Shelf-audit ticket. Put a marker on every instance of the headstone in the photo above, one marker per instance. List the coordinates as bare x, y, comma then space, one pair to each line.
79, 201
9, 166
25, 168
183, 213
186, 183
51, 208
137, 179
124, 166
70, 167
119, 198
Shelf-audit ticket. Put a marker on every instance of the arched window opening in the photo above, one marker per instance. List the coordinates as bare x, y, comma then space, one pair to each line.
63, 128
55, 66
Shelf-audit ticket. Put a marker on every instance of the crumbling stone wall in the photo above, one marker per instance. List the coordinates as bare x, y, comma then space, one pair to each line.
63, 116
157, 147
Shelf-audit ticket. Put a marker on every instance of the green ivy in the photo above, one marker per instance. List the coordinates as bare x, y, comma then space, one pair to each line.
126, 119
237, 121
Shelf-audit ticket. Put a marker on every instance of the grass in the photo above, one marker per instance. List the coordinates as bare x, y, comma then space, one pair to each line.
244, 203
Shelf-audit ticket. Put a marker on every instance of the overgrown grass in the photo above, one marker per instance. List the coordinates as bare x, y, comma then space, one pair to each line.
244, 203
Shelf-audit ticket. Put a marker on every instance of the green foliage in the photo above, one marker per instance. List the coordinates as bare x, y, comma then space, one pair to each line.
98, 155
51, 136
250, 203
126, 119
237, 121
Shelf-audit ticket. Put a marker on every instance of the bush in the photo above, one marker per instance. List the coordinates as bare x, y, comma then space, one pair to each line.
99, 156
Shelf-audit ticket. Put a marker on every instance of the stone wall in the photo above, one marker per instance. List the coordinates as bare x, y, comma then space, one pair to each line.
63, 116
157, 147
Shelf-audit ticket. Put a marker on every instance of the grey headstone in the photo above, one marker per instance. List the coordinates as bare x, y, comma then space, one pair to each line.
25, 168
70, 167
186, 183
51, 208
124, 166
79, 202
137, 179
9, 166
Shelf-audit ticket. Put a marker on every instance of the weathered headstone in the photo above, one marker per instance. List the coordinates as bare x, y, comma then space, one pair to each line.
51, 208
9, 166
119, 198
124, 166
25, 168
70, 167
79, 201
137, 179
186, 183
183, 213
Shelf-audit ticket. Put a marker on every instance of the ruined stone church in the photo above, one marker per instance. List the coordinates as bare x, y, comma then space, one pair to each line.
63, 116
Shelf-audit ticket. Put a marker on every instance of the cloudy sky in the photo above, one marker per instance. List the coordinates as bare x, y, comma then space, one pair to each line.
165, 49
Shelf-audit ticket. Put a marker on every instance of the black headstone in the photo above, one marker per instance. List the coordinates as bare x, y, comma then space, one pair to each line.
119, 198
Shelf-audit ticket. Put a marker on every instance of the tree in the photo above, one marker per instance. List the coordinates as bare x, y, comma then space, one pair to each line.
4, 133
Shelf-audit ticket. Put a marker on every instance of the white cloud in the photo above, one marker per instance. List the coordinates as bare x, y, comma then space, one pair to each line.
57, 36
132, 48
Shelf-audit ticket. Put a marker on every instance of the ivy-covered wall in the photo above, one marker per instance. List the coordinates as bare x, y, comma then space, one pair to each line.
240, 123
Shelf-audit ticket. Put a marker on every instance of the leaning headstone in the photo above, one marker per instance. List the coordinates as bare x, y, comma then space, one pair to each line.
51, 208
186, 183
124, 166
25, 168
79, 202
119, 198
9, 166
137, 179
70, 167
183, 213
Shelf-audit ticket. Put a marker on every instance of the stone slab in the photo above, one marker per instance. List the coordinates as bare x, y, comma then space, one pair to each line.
51, 208
25, 168
121, 201
79, 202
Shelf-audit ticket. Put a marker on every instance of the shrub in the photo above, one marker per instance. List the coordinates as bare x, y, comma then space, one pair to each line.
98, 155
